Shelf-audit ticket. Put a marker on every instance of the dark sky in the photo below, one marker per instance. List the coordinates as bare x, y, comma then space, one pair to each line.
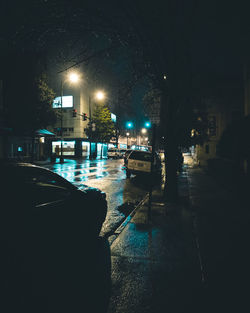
215, 32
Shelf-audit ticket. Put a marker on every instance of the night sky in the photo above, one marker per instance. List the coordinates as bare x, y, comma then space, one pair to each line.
214, 34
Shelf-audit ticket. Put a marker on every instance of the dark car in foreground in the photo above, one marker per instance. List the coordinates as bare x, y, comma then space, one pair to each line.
52, 257
139, 163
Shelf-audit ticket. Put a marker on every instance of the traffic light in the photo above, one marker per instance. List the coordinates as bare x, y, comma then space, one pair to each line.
84, 117
74, 112
129, 124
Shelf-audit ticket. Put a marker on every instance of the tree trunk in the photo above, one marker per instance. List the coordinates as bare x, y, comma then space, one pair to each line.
170, 146
171, 183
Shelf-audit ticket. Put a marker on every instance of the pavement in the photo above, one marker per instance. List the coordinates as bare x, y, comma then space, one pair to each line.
192, 256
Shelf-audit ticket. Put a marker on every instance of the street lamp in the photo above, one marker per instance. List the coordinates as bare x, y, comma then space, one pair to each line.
73, 78
99, 95
127, 134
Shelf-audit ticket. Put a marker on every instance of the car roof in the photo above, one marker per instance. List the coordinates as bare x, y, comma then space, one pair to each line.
15, 164
141, 151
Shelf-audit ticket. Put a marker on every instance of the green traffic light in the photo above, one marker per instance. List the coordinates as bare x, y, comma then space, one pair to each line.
129, 124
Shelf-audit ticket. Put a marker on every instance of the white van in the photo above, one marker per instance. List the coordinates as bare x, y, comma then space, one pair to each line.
139, 163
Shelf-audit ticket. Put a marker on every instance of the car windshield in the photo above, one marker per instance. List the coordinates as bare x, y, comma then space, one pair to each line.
142, 156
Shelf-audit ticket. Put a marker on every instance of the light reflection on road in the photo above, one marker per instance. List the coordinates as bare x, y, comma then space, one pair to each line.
107, 175
74, 171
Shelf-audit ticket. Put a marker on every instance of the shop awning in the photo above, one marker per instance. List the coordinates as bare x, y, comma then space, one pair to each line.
44, 132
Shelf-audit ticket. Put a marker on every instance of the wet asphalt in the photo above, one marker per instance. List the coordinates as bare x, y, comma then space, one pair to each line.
109, 176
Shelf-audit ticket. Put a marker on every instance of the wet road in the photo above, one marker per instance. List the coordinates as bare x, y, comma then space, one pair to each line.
109, 176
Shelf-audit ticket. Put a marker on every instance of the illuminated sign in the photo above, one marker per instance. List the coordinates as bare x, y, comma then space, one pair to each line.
113, 117
67, 102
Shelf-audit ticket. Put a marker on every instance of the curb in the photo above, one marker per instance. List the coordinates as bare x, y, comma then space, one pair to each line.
119, 229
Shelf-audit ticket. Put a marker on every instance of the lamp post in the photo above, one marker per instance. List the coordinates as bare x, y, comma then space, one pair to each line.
99, 95
143, 131
129, 125
73, 77
152, 164
127, 134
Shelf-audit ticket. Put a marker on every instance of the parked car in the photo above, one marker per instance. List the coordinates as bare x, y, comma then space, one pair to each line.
139, 163
114, 153
122, 152
52, 257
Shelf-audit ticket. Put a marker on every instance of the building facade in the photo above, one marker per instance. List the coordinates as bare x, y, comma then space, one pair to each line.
73, 118
220, 114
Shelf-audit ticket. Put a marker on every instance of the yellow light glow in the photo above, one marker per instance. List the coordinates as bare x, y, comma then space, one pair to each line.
143, 130
74, 77
100, 95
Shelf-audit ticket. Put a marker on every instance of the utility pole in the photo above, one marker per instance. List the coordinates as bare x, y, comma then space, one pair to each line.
90, 119
61, 154
152, 165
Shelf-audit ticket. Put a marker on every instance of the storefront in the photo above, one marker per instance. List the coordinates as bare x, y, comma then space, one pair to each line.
85, 149
78, 148
102, 150
68, 148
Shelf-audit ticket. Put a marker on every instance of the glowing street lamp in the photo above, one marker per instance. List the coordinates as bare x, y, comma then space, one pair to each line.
73, 77
100, 95
127, 134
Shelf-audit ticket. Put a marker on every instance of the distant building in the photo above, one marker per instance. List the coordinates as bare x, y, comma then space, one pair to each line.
220, 112
77, 108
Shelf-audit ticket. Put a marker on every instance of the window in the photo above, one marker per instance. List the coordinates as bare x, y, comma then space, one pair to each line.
136, 155
42, 187
212, 125
68, 147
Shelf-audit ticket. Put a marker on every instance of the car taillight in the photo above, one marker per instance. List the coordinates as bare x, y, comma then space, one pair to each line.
103, 194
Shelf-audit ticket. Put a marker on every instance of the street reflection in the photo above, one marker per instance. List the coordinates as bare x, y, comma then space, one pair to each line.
110, 177
80, 171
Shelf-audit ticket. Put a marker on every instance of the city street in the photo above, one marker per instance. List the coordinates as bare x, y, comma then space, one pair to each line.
109, 176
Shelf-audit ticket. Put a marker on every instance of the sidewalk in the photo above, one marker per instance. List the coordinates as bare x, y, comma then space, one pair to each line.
222, 222
192, 259
155, 267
